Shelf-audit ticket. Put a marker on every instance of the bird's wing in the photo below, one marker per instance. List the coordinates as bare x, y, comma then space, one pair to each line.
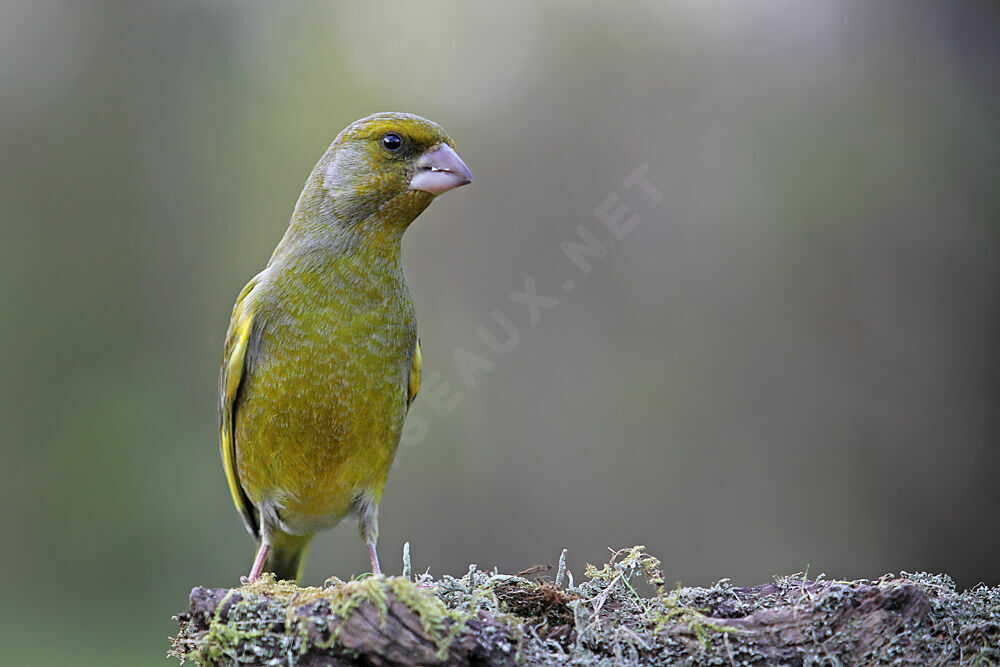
414, 384
238, 340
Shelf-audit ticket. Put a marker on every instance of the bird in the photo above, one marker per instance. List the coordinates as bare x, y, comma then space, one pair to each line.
321, 360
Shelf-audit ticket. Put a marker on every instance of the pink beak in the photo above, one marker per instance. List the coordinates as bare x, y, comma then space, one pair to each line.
439, 169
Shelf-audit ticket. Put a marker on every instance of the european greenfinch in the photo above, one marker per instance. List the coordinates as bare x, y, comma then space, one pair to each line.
321, 359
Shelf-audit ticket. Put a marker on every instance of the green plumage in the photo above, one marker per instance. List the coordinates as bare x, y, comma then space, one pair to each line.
321, 356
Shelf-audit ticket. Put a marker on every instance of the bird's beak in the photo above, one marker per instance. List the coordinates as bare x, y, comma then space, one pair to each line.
439, 169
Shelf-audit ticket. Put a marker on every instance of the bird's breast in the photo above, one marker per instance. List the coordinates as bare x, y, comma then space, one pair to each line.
322, 408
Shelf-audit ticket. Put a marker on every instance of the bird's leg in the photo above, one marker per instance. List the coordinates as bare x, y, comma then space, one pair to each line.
373, 555
258, 564
367, 511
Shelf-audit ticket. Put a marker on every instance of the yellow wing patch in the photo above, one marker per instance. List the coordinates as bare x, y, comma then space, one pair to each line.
237, 341
414, 385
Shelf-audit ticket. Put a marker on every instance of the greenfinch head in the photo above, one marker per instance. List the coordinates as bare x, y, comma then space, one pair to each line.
396, 162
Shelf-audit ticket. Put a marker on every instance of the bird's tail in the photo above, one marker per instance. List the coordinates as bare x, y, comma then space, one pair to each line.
287, 556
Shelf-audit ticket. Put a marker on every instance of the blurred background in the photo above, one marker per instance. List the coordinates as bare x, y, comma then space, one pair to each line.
791, 361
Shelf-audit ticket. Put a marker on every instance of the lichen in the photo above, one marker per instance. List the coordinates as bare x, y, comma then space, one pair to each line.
917, 618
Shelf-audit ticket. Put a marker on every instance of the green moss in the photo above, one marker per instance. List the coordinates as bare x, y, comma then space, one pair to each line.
666, 611
432, 612
275, 617
246, 622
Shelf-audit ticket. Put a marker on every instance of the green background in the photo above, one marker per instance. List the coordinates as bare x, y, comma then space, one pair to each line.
791, 360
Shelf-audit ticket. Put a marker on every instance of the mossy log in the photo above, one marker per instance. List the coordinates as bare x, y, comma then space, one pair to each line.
393, 636
496, 619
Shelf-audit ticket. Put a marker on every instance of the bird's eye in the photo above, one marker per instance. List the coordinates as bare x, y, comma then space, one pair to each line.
392, 141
